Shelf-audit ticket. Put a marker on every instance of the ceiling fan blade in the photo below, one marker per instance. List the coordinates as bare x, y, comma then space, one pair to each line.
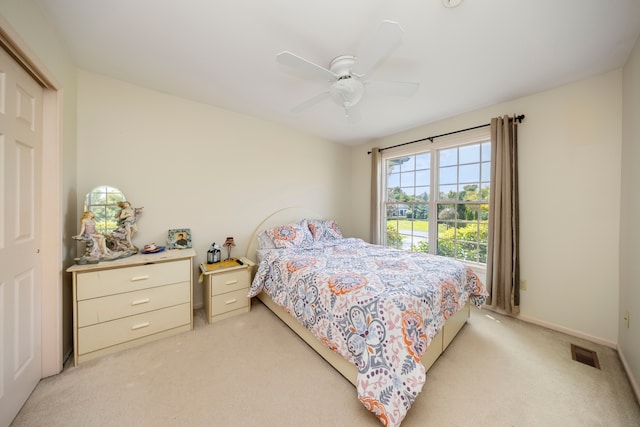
392, 88
294, 61
310, 102
380, 45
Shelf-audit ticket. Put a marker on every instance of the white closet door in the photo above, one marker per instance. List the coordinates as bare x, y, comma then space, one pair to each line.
20, 218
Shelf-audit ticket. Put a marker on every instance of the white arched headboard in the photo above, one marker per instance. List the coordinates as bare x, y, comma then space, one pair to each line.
281, 217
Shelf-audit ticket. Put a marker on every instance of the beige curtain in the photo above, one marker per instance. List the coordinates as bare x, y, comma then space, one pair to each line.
376, 184
503, 255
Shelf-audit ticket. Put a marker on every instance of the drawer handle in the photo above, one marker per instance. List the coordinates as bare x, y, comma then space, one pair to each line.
140, 326
140, 301
138, 278
231, 301
232, 282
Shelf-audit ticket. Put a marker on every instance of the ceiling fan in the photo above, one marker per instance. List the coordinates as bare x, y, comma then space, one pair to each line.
346, 73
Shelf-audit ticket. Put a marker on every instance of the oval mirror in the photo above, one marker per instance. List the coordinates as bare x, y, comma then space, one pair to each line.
103, 202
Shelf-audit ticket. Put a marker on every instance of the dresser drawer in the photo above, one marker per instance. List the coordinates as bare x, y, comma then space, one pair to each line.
96, 310
102, 335
228, 302
94, 284
230, 281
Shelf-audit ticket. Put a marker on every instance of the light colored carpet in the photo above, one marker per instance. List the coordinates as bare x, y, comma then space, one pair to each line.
251, 370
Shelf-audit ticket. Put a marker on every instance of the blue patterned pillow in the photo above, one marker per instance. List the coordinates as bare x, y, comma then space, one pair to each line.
291, 235
324, 229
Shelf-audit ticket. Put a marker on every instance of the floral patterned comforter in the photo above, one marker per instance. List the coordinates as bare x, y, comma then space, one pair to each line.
378, 307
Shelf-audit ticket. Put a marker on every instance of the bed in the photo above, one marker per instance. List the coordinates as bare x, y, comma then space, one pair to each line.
380, 316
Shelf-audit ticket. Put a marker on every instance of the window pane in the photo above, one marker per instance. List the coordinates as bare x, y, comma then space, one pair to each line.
409, 191
469, 192
423, 161
467, 251
408, 164
448, 192
422, 177
448, 175
406, 178
470, 154
422, 194
485, 172
486, 152
393, 180
447, 213
484, 192
446, 248
396, 195
449, 157
482, 256
392, 237
421, 212
470, 173
484, 212
469, 212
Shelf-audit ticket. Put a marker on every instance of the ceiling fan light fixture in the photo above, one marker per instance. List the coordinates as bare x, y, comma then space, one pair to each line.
347, 91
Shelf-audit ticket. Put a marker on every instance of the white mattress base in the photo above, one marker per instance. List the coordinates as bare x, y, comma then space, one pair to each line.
439, 343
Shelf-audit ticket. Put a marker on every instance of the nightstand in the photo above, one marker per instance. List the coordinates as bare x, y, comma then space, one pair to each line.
131, 301
226, 288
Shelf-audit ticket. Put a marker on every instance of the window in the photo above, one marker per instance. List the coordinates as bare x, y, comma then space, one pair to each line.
436, 198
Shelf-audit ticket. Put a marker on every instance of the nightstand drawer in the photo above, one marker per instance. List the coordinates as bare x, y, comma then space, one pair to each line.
102, 335
96, 310
230, 281
95, 284
228, 302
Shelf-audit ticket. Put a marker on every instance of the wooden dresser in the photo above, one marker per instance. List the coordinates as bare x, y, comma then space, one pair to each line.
131, 301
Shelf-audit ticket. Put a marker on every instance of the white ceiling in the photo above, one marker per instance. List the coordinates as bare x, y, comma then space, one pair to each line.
223, 52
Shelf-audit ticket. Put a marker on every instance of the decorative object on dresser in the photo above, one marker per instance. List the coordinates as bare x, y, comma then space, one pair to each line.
213, 254
152, 248
107, 226
229, 243
179, 238
226, 286
131, 301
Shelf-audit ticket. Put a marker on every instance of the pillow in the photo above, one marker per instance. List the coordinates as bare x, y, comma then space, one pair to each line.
324, 229
291, 235
264, 241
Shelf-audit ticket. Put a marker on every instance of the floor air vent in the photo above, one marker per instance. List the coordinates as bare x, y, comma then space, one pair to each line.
582, 355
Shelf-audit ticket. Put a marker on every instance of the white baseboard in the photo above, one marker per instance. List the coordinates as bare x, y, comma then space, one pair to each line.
568, 331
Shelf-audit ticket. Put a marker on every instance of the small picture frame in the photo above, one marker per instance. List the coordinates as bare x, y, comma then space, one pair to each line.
179, 238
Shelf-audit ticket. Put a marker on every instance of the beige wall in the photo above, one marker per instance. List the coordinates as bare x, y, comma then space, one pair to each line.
32, 32
195, 166
629, 337
569, 152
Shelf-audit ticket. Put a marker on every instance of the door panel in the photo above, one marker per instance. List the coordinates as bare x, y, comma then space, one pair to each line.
20, 270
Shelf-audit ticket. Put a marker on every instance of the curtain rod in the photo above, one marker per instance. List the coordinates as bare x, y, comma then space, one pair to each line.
431, 138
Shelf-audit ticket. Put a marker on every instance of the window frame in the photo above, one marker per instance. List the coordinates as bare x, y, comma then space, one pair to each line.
475, 136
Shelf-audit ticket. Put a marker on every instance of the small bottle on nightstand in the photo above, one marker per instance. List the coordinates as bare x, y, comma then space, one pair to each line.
213, 254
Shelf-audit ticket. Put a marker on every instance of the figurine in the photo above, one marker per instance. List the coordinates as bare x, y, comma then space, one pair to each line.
127, 217
96, 243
